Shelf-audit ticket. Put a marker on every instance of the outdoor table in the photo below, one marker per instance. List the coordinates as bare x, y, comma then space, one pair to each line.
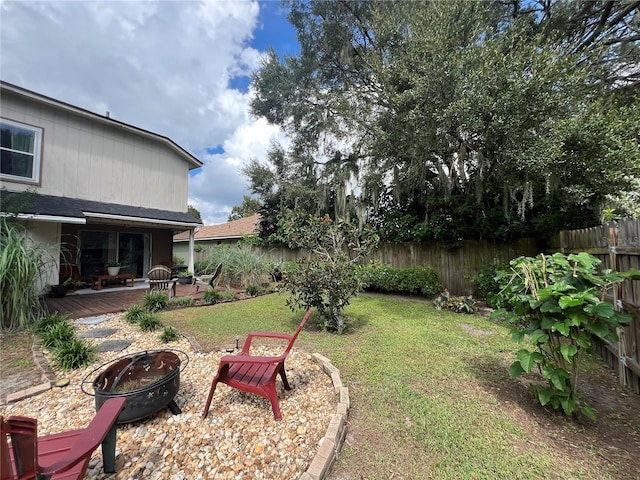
96, 280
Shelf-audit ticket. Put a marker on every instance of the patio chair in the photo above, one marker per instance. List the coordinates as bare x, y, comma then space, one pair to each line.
60, 456
254, 374
207, 280
161, 279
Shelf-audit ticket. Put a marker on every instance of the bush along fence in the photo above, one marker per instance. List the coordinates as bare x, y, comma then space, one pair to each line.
457, 267
617, 245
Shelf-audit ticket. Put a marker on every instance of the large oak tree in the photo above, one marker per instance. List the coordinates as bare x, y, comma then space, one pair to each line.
451, 120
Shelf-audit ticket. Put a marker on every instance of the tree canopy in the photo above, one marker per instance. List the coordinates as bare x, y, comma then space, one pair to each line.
453, 120
248, 207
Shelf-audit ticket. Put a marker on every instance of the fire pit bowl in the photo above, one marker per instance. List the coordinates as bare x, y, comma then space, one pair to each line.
149, 380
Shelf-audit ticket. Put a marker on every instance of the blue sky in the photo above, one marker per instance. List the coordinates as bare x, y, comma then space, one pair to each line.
178, 68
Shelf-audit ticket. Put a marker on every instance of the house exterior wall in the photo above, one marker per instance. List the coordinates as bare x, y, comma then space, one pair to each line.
87, 159
46, 234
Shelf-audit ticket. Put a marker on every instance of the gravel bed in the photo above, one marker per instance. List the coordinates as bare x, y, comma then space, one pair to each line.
239, 439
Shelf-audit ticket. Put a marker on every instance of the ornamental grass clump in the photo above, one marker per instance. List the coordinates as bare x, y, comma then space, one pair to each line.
149, 322
47, 322
75, 353
57, 335
169, 334
134, 313
555, 304
22, 266
211, 297
155, 301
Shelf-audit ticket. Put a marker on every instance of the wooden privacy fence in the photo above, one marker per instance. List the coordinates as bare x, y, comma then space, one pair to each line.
457, 267
617, 245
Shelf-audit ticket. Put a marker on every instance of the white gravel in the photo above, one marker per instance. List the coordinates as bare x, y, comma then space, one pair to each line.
239, 439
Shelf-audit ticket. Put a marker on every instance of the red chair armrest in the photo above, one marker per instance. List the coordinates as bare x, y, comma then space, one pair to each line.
89, 438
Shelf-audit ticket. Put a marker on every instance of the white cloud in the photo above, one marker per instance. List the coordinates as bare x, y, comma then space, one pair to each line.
164, 66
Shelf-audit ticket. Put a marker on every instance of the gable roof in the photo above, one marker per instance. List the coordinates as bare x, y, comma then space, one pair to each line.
234, 229
191, 160
73, 210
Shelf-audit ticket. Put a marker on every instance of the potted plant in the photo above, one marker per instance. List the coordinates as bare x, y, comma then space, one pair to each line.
113, 268
185, 277
58, 291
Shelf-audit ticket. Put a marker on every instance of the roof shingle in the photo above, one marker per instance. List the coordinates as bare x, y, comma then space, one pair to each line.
234, 229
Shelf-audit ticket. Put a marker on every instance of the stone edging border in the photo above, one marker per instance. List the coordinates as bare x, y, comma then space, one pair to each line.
47, 374
329, 446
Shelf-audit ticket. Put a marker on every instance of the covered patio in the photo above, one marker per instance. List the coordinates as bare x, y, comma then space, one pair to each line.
89, 303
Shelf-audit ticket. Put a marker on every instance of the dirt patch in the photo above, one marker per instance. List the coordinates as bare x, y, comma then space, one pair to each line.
18, 370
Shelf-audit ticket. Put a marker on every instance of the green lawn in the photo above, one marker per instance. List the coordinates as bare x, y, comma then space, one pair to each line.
426, 387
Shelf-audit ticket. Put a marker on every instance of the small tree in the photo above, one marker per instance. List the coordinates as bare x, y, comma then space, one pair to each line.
556, 303
329, 277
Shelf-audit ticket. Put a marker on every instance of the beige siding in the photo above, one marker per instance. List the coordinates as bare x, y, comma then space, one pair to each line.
46, 235
86, 159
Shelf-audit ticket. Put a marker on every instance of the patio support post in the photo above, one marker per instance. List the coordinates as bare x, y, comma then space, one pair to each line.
191, 245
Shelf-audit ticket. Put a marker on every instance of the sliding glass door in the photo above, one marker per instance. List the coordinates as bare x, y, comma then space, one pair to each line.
132, 250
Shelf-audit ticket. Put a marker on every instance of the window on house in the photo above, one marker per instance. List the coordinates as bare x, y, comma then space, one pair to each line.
20, 151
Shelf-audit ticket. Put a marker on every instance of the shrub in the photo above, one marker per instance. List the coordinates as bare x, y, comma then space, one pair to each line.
253, 290
408, 281
554, 304
329, 279
456, 304
23, 264
155, 301
227, 296
149, 322
75, 353
210, 297
45, 323
134, 313
486, 284
58, 334
181, 302
169, 334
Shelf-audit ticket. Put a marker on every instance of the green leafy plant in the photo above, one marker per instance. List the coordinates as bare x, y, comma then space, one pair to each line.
155, 301
169, 334
58, 334
227, 296
149, 322
485, 281
253, 290
23, 264
330, 277
49, 321
134, 313
74, 353
411, 281
210, 297
555, 304
185, 274
241, 265
113, 264
180, 301
458, 304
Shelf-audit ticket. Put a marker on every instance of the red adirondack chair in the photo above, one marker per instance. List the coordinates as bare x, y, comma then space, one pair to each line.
254, 374
61, 456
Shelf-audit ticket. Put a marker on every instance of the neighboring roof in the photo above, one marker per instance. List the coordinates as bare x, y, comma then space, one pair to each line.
193, 161
234, 229
73, 210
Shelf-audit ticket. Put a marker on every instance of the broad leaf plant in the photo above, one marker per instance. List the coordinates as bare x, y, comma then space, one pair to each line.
555, 304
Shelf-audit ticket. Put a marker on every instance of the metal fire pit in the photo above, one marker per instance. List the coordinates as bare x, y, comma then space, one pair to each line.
149, 380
